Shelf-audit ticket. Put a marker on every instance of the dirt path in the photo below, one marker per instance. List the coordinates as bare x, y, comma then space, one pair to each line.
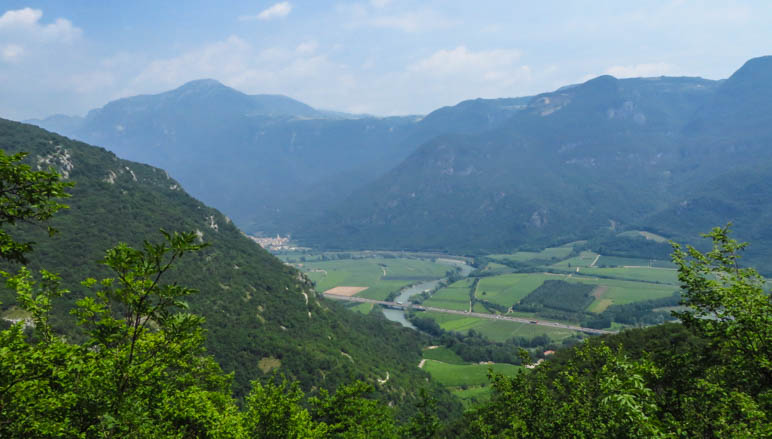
421, 364
383, 381
595, 261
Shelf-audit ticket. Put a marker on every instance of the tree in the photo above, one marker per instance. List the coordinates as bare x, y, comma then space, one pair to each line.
142, 372
25, 196
424, 424
350, 415
727, 305
274, 412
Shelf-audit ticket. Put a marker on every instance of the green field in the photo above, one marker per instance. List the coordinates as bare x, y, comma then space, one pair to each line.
382, 276
494, 268
454, 296
364, 308
508, 289
443, 354
547, 254
617, 261
663, 275
456, 375
562, 295
496, 330
619, 292
585, 259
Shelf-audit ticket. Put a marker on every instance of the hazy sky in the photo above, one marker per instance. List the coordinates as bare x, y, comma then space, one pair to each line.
380, 56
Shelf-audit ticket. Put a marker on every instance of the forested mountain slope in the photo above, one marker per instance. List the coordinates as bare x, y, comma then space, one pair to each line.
261, 315
251, 156
608, 154
269, 162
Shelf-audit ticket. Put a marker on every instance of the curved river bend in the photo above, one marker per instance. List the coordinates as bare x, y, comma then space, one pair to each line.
398, 315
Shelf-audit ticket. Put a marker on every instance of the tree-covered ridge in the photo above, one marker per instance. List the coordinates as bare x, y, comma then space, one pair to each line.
261, 316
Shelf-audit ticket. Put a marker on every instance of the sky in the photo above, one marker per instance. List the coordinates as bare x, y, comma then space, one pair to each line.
381, 57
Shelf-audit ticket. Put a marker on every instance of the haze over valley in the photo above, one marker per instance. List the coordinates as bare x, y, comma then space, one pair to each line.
385, 219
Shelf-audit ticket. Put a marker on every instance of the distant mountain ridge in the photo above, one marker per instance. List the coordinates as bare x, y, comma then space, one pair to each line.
486, 174
270, 162
606, 154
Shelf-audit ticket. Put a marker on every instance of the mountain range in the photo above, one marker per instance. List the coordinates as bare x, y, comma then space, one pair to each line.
671, 155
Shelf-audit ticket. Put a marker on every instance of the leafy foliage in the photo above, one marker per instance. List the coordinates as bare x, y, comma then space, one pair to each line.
25, 196
141, 372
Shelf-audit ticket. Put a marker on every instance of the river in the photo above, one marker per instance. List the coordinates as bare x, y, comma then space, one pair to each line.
397, 315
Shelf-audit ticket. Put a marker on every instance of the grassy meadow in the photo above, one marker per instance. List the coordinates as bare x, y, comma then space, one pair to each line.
454, 296
382, 276
455, 375
496, 330
546, 254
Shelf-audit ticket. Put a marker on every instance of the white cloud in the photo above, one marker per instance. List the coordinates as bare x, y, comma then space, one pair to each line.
278, 10
20, 17
24, 24
461, 60
235, 62
643, 70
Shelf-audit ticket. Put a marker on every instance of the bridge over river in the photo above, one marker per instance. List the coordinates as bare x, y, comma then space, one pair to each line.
467, 313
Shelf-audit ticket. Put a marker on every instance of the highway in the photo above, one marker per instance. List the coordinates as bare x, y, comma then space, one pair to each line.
469, 314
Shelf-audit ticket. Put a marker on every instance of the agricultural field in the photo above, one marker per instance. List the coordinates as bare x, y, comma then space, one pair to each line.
443, 354
493, 268
646, 274
618, 286
546, 254
562, 295
508, 289
381, 276
619, 292
468, 381
496, 330
617, 261
454, 296
456, 375
585, 259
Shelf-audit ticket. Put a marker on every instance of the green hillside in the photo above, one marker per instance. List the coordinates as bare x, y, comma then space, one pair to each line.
261, 315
